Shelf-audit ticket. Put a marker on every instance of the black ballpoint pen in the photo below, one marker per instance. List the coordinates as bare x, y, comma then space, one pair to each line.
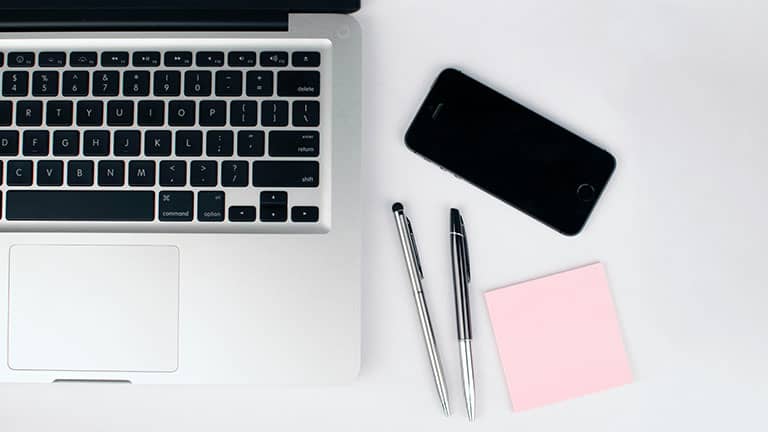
461, 278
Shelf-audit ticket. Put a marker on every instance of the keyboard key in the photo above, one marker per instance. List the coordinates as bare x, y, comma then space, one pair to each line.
157, 143
66, 143
151, 113
210, 58
219, 143
96, 143
90, 113
242, 214
274, 58
173, 173
175, 206
82, 59
29, 113
178, 58
80, 205
114, 59
273, 198
181, 113
203, 173
305, 214
306, 113
286, 174
6, 113
244, 113
274, 113
111, 173
80, 173
242, 58
234, 174
2, 61
294, 143
274, 206
305, 58
146, 58
106, 83
36, 143
21, 59
189, 143
52, 59
15, 83
229, 83
59, 113
19, 173
120, 113
50, 173
298, 83
45, 83
9, 142
210, 206
274, 213
250, 143
259, 83
167, 83
197, 83
127, 143
136, 83
213, 113
75, 83
141, 173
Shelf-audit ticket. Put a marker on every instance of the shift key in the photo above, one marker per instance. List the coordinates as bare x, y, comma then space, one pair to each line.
286, 174
294, 143
298, 83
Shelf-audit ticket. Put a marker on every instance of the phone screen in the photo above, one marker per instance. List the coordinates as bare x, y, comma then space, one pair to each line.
510, 151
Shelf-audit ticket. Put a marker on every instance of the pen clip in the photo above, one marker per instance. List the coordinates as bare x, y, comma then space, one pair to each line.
466, 249
414, 249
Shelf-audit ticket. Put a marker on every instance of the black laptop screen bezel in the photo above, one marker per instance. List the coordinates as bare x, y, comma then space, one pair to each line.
296, 6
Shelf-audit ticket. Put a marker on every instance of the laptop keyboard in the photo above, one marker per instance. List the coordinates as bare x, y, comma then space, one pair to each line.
200, 139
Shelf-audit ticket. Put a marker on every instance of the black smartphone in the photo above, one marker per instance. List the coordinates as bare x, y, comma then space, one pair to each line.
509, 151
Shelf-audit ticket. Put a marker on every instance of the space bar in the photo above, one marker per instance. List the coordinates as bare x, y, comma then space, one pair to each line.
69, 205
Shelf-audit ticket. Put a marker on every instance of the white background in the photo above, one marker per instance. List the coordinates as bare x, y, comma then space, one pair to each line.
676, 90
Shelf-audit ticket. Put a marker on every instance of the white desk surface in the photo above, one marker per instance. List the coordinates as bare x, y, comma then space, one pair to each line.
675, 89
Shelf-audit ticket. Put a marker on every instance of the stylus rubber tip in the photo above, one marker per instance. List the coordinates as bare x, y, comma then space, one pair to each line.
397, 207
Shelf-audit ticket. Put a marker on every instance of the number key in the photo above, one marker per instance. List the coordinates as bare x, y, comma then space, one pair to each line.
15, 83
136, 83
167, 83
106, 83
197, 83
45, 83
75, 83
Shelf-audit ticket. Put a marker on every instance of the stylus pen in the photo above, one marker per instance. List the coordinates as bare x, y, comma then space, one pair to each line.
461, 277
415, 273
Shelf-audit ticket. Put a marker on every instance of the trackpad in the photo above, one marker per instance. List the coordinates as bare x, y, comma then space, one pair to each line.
93, 308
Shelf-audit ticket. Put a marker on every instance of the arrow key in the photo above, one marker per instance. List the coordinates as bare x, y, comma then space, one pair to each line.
242, 214
304, 214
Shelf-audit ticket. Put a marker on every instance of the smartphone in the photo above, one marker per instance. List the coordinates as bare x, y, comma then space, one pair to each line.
511, 152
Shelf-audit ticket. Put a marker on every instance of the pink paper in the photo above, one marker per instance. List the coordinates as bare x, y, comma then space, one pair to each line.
558, 337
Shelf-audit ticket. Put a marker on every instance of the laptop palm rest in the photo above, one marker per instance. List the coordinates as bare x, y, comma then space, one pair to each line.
93, 308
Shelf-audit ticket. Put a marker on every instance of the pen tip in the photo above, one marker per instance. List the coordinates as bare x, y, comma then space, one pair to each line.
397, 207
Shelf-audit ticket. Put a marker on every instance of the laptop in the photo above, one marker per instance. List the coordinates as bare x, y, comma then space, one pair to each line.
180, 196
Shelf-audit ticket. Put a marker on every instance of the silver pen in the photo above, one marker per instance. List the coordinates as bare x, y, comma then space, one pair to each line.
411, 255
461, 278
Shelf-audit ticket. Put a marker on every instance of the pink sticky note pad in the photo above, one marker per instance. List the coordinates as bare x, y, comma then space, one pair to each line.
558, 337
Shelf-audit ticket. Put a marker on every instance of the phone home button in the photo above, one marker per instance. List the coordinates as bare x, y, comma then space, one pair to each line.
586, 192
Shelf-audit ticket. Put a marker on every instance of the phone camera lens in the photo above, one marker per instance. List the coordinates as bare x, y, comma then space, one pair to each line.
586, 192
